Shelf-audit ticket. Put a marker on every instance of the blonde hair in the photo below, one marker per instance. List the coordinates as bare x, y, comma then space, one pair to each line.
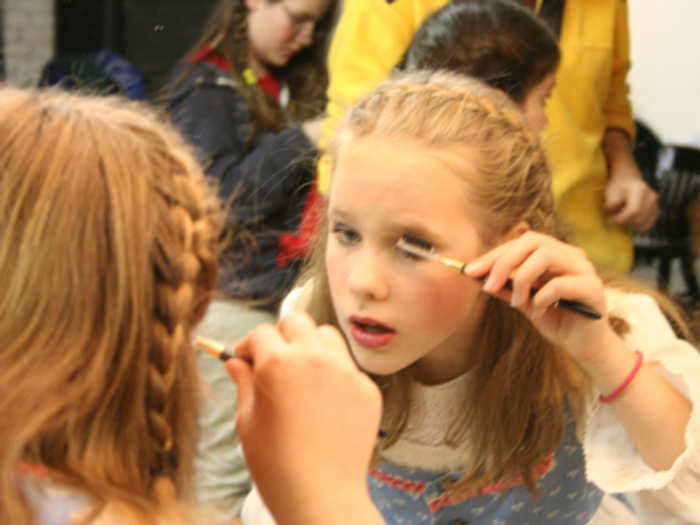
108, 258
514, 424
520, 421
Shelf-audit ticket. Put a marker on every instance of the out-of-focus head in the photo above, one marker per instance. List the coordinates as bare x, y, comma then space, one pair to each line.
265, 33
288, 37
108, 258
279, 29
497, 41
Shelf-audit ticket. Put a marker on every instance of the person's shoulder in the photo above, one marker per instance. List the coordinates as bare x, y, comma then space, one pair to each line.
187, 78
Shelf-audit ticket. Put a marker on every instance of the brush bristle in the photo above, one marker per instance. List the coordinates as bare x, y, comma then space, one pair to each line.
414, 246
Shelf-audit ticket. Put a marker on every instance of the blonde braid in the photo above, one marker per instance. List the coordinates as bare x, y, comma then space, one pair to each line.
426, 90
447, 110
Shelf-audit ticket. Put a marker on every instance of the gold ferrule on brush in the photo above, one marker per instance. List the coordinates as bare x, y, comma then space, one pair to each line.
210, 346
453, 264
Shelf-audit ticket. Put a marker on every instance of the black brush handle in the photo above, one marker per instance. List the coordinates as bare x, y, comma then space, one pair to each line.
562, 304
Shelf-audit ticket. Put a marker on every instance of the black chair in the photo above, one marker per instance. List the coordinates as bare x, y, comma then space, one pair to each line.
673, 171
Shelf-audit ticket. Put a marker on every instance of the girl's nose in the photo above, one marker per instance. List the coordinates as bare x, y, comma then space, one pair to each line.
366, 279
305, 34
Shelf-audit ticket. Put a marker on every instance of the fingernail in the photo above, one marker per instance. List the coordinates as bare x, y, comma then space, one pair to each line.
489, 284
473, 267
515, 299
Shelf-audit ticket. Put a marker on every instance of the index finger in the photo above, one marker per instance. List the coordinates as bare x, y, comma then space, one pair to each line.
296, 325
260, 343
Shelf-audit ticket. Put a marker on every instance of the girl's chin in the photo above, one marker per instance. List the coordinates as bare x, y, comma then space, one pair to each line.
374, 368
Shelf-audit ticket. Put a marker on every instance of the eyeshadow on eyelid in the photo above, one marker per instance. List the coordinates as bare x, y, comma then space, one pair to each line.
417, 241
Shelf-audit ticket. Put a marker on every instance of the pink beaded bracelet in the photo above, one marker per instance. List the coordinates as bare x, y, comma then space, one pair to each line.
626, 382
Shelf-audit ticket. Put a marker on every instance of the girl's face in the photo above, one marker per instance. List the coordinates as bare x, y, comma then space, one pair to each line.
395, 310
535, 101
279, 30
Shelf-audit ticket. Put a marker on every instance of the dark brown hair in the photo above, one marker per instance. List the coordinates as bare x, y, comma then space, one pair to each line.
496, 41
226, 32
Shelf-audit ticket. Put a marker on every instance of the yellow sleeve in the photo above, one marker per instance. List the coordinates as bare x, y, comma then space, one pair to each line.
369, 40
618, 109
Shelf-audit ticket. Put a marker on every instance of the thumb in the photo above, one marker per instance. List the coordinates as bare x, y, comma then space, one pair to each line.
242, 374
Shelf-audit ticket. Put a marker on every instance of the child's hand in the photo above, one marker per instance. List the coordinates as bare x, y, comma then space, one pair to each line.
559, 271
307, 417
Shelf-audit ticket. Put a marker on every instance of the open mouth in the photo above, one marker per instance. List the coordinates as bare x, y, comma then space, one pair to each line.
370, 333
372, 328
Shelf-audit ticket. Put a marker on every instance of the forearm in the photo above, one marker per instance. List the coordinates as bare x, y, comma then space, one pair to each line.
617, 148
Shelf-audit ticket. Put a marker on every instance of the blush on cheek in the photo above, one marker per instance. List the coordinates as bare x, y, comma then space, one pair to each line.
445, 304
288, 33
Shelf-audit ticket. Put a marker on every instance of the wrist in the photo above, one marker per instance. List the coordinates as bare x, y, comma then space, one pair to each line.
610, 367
610, 397
617, 148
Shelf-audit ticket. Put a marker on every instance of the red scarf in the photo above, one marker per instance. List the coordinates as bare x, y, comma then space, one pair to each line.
267, 83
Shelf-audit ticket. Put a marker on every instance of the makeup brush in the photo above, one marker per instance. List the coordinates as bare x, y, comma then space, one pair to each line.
424, 250
217, 349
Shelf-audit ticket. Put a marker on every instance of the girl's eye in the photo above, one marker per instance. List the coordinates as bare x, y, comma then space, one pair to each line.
419, 245
345, 234
408, 255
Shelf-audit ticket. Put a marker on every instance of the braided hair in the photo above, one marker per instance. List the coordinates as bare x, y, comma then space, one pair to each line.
108, 258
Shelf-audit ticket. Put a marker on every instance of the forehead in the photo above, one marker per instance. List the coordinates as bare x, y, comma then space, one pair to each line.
401, 177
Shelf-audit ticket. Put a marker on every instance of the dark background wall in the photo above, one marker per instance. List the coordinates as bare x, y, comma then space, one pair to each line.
151, 34
2, 47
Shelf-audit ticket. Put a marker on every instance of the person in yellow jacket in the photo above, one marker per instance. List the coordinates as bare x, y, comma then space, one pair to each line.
599, 191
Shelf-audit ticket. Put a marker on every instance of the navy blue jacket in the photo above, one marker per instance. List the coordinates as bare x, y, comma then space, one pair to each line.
264, 184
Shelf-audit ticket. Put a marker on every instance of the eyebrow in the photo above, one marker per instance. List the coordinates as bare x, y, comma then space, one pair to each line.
415, 228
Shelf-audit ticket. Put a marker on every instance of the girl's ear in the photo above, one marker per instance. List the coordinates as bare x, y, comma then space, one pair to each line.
516, 231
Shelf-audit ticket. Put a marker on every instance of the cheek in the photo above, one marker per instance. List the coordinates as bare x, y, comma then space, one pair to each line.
287, 33
336, 270
443, 304
281, 29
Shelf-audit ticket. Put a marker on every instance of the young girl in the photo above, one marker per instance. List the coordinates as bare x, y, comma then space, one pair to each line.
498, 407
108, 257
246, 95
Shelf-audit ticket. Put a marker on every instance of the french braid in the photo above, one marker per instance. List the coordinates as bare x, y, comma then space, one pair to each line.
110, 252
184, 257
445, 110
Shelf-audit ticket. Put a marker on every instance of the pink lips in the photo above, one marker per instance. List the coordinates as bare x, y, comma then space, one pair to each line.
370, 333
